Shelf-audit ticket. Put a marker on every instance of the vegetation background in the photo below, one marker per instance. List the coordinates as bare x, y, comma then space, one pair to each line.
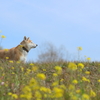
52, 77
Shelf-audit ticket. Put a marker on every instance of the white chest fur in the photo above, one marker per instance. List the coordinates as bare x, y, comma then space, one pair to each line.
23, 56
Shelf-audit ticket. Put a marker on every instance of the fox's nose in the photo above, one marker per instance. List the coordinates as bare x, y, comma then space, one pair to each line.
36, 45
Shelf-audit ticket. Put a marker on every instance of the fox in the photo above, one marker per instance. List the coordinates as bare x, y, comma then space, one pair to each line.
20, 52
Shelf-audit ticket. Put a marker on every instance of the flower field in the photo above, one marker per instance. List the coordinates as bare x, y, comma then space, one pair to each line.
49, 81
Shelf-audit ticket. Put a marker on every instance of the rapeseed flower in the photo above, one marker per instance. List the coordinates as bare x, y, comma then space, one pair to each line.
43, 89
12, 68
62, 80
88, 58
55, 83
28, 95
78, 91
75, 81
22, 69
99, 80
71, 87
10, 61
79, 48
34, 68
6, 50
72, 66
41, 76
15, 96
2, 36
28, 71
26, 89
55, 74
57, 92
33, 82
58, 69
85, 79
63, 86
92, 93
85, 97
9, 93
80, 65
44, 69
87, 72
18, 62
74, 97
31, 64
38, 95
13, 73
7, 58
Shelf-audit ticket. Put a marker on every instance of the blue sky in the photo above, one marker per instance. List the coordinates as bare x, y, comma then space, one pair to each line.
71, 23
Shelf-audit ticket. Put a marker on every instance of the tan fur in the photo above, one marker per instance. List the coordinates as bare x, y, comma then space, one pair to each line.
16, 52
13, 53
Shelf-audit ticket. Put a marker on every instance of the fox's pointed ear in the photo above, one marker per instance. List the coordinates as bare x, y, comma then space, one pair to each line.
25, 38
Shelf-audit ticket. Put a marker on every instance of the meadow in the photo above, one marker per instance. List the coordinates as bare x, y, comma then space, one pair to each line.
49, 81
58, 80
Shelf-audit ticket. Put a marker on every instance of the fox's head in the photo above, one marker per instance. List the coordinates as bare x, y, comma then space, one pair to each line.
28, 44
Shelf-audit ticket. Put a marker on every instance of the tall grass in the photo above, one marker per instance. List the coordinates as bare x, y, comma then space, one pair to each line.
49, 81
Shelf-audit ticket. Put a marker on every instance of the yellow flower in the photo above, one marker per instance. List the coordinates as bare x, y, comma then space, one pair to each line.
7, 57
80, 65
18, 62
73, 97
71, 87
31, 64
2, 36
10, 61
6, 50
55, 75
34, 68
44, 69
9, 93
58, 69
62, 86
26, 89
33, 82
58, 92
3, 74
79, 48
28, 95
14, 96
28, 71
12, 73
72, 66
38, 95
92, 93
74, 81
87, 72
41, 76
85, 97
78, 91
62, 80
99, 80
12, 68
55, 83
43, 89
88, 59
22, 69
85, 79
